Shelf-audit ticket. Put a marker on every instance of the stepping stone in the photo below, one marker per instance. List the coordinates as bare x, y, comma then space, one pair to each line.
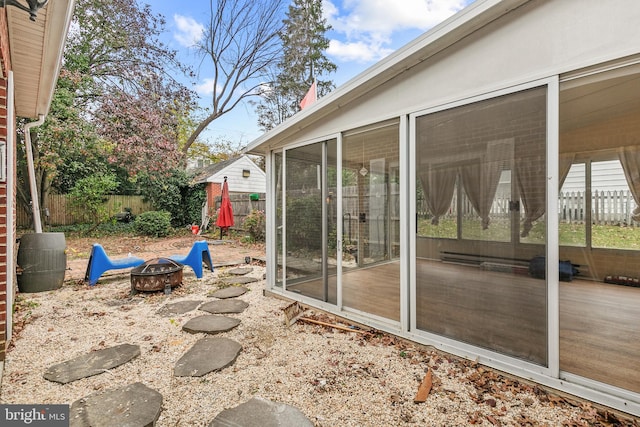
180, 307
224, 306
134, 405
240, 271
207, 355
259, 412
242, 280
230, 292
94, 363
210, 324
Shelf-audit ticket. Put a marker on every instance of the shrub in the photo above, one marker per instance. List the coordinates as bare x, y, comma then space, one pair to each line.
153, 223
254, 223
89, 195
175, 194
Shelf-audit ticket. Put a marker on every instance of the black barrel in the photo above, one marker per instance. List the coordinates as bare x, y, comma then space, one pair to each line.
42, 261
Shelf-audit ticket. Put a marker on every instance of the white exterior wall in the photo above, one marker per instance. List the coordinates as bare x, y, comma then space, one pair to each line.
256, 182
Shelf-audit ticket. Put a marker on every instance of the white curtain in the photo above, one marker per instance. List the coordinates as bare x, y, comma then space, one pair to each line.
532, 182
564, 165
630, 160
481, 178
438, 184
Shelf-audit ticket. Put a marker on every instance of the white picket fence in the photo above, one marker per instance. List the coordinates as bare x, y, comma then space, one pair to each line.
607, 207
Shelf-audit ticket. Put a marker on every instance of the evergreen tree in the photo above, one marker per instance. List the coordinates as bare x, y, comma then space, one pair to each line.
303, 62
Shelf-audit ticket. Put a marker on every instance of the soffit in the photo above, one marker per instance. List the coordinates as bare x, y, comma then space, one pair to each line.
36, 52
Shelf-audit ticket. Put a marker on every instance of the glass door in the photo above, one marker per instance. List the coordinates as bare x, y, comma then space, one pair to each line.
370, 216
309, 242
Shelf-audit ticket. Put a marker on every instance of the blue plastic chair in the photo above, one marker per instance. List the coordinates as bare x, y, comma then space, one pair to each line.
198, 255
99, 262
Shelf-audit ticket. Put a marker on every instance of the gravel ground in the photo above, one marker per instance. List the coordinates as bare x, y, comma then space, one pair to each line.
335, 378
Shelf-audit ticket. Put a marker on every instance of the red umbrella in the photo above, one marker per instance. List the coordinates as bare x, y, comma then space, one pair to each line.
225, 214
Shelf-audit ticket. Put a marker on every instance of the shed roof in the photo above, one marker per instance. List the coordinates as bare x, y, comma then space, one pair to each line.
206, 173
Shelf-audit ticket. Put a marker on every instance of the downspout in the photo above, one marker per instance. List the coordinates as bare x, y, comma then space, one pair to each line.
35, 203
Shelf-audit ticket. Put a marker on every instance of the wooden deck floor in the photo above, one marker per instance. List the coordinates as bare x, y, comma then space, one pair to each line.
599, 323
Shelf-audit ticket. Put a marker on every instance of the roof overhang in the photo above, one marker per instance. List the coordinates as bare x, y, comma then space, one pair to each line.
459, 26
36, 53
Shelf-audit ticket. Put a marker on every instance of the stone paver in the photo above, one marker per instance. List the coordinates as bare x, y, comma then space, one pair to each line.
230, 292
93, 363
180, 307
239, 280
259, 412
206, 355
240, 271
224, 306
210, 324
134, 405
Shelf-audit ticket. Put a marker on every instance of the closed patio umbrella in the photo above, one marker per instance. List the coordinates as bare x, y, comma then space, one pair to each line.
225, 215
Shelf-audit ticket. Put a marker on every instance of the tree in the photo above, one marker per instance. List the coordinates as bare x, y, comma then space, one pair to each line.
303, 62
113, 54
241, 44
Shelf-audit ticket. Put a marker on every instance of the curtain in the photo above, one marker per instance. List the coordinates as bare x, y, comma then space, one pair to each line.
532, 182
480, 179
438, 185
564, 165
630, 160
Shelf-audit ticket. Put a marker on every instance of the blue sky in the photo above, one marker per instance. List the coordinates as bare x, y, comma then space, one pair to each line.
364, 32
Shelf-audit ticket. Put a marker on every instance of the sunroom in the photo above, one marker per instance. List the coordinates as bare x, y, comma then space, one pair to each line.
478, 191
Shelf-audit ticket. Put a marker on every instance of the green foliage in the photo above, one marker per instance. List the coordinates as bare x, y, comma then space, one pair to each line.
303, 61
255, 224
110, 228
153, 223
175, 194
88, 197
304, 225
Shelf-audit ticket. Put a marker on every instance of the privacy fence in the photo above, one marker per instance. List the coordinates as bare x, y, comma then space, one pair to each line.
242, 205
58, 210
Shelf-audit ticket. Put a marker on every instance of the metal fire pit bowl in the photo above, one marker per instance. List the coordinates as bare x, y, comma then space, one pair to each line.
156, 275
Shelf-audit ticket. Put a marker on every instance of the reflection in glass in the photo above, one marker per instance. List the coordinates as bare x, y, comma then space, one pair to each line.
482, 167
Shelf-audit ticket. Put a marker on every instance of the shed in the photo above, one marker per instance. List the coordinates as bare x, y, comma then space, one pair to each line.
244, 176
381, 197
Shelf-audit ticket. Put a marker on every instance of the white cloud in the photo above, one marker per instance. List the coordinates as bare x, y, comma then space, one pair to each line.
368, 25
359, 51
206, 87
189, 31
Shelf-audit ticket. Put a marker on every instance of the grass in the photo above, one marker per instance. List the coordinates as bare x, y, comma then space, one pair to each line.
602, 236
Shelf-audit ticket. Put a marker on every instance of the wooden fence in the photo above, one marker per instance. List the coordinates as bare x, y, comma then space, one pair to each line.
242, 205
58, 210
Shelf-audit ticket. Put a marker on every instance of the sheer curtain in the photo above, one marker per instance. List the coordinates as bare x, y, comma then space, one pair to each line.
530, 172
630, 160
481, 178
438, 184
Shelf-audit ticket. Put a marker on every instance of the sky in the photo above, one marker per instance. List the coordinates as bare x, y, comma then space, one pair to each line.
363, 32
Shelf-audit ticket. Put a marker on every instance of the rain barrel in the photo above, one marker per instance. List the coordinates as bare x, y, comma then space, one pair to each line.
42, 261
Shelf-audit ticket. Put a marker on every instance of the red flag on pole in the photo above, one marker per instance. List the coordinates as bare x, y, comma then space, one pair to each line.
310, 97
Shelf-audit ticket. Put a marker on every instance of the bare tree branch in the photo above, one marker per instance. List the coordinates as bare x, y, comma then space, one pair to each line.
241, 43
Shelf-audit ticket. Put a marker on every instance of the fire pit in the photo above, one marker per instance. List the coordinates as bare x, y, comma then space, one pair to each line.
156, 274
